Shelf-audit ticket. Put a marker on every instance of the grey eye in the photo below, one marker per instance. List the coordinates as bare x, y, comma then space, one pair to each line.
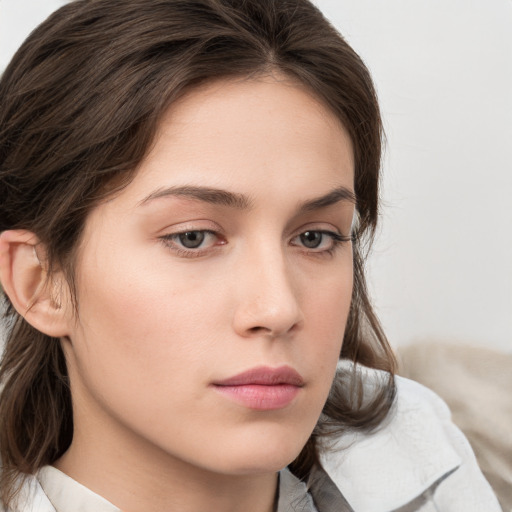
311, 239
192, 239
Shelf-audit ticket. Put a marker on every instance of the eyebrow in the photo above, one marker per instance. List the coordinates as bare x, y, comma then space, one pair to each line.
241, 202
333, 197
207, 194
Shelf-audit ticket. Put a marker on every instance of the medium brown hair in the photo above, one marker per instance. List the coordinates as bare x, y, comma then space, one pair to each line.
79, 106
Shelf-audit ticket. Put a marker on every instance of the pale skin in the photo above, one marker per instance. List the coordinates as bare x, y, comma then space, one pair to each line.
261, 173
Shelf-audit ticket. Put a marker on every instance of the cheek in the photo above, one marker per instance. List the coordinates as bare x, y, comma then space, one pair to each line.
326, 313
142, 291
144, 352
328, 303
147, 325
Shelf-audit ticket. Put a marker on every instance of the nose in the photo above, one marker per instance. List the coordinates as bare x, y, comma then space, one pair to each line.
268, 299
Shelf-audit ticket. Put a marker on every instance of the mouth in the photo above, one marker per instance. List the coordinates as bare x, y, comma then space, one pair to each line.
262, 388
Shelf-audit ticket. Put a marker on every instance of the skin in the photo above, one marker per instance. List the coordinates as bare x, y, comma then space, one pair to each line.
158, 323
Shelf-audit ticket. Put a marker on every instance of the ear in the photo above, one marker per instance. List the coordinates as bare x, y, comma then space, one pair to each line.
23, 275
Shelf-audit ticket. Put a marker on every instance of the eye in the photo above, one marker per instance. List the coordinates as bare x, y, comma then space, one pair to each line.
192, 242
311, 239
319, 240
192, 239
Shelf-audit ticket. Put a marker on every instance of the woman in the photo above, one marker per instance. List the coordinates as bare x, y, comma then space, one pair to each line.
187, 191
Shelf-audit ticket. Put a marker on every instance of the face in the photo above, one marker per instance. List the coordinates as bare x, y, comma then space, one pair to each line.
213, 291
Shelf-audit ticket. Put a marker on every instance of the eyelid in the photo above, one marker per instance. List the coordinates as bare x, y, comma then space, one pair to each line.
191, 225
323, 227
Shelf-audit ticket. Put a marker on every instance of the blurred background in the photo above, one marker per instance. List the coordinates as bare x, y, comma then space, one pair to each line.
442, 265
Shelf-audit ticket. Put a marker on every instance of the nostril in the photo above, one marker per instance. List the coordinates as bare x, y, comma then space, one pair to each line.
268, 331
259, 329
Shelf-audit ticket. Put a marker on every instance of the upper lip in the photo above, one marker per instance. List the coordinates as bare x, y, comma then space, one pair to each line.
264, 376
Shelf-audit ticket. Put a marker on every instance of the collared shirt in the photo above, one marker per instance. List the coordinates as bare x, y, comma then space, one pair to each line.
67, 495
418, 461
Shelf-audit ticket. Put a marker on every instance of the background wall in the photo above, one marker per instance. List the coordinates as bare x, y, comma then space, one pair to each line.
442, 267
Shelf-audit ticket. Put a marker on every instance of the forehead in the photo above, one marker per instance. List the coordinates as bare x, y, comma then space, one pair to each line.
265, 122
280, 95
268, 100
248, 136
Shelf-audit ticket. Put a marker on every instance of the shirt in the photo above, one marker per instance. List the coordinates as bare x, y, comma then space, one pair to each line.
67, 495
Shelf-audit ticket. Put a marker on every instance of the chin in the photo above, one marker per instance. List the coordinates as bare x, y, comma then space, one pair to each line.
262, 455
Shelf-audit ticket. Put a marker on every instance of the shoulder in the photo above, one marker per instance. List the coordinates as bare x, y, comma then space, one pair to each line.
418, 456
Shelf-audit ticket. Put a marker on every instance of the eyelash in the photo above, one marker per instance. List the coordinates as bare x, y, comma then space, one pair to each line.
171, 241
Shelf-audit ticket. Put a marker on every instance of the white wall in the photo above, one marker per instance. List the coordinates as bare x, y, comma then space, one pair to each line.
442, 267
443, 68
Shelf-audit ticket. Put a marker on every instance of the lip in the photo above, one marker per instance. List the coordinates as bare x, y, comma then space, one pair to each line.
262, 388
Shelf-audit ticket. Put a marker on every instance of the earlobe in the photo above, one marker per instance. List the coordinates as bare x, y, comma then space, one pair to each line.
25, 281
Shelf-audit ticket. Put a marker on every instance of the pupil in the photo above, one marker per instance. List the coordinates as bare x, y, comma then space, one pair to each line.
311, 239
192, 239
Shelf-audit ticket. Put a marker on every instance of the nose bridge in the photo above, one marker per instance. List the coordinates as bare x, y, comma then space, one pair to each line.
268, 295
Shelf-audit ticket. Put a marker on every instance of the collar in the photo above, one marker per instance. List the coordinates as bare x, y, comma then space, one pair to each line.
406, 457
293, 494
65, 494
320, 493
51, 490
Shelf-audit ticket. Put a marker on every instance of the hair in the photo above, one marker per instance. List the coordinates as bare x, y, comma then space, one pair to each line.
80, 103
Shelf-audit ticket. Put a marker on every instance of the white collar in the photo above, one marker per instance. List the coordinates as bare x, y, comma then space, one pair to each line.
409, 454
51, 490
65, 493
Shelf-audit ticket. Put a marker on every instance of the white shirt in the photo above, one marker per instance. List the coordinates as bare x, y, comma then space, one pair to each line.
419, 461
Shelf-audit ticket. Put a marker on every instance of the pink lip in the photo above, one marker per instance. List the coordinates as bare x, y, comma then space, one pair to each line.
262, 388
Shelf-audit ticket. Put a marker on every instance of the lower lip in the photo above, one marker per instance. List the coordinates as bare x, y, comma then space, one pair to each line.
260, 397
